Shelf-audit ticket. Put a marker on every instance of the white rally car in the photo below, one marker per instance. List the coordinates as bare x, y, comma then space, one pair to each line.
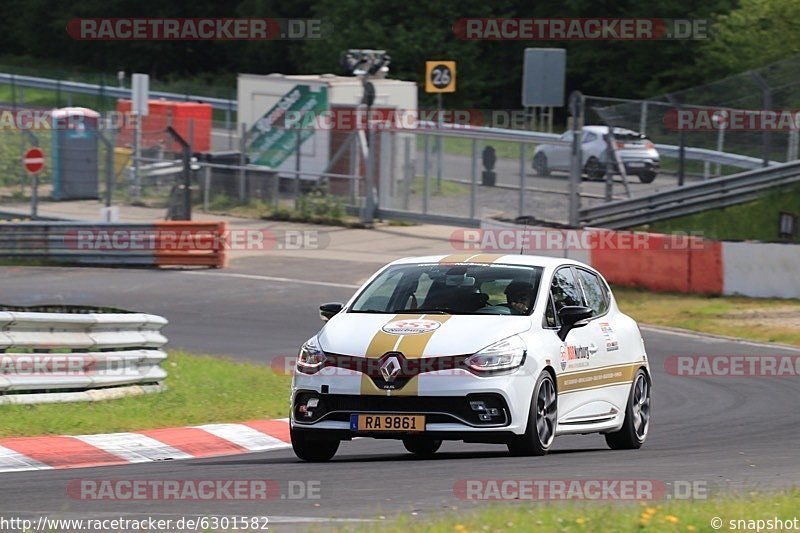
511, 349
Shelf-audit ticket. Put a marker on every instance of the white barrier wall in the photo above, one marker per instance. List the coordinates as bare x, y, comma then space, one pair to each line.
761, 269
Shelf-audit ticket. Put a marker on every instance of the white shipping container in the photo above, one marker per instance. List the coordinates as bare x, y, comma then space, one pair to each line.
257, 94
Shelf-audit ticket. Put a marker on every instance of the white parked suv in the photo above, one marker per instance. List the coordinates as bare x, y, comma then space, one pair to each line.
638, 154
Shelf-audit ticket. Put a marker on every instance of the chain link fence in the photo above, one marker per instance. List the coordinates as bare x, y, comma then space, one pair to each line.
775, 87
419, 174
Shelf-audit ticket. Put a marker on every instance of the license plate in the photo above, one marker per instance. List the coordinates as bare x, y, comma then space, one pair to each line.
387, 422
635, 164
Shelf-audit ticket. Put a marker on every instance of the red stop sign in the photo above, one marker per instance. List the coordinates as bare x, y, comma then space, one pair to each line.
33, 160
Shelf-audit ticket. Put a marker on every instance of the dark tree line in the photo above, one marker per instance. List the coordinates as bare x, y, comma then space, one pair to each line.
489, 72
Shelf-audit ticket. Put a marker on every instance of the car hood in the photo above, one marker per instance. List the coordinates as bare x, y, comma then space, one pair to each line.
416, 335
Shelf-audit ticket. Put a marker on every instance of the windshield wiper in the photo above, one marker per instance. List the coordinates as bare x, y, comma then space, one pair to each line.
371, 311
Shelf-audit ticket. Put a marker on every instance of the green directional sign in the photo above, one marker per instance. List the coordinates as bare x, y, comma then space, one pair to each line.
273, 138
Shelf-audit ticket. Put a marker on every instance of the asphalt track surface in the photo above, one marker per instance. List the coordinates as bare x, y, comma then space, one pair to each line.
732, 434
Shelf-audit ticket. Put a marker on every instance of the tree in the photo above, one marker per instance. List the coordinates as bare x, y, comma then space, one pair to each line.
758, 32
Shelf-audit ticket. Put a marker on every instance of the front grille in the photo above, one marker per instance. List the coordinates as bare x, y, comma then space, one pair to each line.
407, 368
438, 409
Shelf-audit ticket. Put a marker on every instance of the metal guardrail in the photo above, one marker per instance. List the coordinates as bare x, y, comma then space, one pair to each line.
14, 216
124, 244
665, 150
689, 199
713, 156
497, 134
116, 92
73, 355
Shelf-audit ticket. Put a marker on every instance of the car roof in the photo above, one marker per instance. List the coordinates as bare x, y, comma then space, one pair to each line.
489, 258
604, 129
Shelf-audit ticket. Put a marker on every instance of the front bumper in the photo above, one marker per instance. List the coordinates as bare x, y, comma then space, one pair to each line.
449, 401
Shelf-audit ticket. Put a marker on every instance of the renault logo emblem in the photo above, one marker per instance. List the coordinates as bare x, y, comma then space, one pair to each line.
390, 369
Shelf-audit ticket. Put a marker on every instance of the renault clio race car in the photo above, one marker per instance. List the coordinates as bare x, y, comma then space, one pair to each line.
510, 349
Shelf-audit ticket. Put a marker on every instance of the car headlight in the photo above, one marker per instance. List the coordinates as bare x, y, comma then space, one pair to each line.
311, 357
504, 355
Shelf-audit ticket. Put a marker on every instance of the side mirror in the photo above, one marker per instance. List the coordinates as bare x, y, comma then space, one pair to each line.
573, 316
326, 311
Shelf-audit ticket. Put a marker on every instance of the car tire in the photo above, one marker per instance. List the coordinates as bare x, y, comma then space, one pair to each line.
647, 177
540, 165
542, 419
313, 449
422, 446
594, 169
634, 430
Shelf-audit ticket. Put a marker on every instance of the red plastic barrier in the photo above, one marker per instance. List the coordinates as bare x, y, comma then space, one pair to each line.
191, 244
659, 262
183, 116
706, 270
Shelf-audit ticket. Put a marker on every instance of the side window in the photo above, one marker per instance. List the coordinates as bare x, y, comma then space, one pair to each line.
550, 318
565, 289
594, 289
589, 137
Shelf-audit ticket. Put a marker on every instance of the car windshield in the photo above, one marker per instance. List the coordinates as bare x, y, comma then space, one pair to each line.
462, 289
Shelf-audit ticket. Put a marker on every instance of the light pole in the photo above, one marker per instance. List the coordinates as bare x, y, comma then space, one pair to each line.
367, 65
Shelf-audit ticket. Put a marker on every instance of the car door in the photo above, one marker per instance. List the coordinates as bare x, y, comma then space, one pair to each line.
589, 146
580, 350
607, 328
558, 156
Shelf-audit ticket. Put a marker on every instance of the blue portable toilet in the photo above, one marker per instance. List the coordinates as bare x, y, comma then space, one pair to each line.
75, 153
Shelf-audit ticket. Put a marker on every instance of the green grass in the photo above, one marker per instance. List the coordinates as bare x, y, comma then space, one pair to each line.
695, 168
44, 98
759, 319
200, 389
206, 84
462, 146
448, 188
756, 220
684, 516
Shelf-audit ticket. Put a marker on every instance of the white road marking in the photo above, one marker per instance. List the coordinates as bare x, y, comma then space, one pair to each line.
244, 436
272, 278
134, 447
11, 461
